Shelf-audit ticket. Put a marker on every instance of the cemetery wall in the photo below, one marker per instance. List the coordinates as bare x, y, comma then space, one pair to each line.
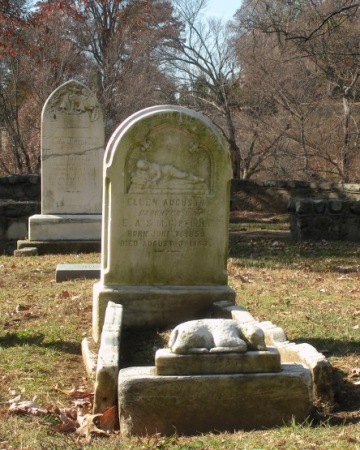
20, 188
329, 219
20, 198
274, 196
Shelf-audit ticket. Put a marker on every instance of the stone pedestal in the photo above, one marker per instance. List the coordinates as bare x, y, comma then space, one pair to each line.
156, 306
69, 227
168, 363
49, 227
150, 404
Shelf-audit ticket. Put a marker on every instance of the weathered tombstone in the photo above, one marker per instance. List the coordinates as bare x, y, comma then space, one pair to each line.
164, 254
166, 188
72, 150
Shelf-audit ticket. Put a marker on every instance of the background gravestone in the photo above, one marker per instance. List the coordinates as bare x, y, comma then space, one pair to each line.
72, 150
167, 178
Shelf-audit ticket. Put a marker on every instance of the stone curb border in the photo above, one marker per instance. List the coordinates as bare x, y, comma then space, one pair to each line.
320, 367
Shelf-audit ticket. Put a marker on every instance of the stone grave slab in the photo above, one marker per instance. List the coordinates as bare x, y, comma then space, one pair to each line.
167, 175
65, 272
61, 246
168, 363
150, 404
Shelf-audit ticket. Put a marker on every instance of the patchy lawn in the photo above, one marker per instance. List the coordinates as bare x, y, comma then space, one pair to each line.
312, 290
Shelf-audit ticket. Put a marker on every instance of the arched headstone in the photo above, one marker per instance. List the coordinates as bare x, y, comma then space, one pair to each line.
166, 189
72, 151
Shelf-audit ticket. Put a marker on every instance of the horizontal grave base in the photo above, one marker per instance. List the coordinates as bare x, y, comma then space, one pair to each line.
49, 227
157, 306
61, 246
150, 404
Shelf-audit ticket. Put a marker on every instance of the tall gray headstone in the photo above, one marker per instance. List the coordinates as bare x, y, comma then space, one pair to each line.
72, 150
166, 188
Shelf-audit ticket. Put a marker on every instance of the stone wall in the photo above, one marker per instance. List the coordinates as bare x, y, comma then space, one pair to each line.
19, 199
20, 188
316, 219
274, 196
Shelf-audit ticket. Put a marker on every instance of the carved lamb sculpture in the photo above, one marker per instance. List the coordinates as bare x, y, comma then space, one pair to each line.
216, 335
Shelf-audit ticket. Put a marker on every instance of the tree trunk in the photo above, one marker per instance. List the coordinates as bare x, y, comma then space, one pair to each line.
346, 145
234, 149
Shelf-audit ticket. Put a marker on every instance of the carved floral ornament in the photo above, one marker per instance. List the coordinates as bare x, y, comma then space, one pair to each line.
73, 99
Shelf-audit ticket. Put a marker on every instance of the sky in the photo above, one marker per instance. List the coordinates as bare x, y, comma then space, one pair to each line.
224, 9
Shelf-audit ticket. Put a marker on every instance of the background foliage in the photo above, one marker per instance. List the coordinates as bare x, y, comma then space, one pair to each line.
281, 80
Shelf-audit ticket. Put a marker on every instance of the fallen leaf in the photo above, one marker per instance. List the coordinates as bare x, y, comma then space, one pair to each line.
27, 407
88, 427
109, 421
64, 294
69, 426
76, 393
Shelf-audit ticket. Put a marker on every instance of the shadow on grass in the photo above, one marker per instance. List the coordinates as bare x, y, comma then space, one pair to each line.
346, 393
37, 340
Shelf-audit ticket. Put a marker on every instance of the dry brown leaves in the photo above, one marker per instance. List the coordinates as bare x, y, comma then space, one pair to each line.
76, 418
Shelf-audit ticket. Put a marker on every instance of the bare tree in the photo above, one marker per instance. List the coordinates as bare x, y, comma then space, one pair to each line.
321, 37
110, 46
120, 39
44, 59
204, 67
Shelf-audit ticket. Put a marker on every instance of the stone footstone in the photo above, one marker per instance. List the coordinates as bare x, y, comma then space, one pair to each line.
28, 251
188, 405
168, 363
65, 272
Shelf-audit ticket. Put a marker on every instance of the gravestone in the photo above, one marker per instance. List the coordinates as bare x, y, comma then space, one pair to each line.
66, 272
165, 225
72, 149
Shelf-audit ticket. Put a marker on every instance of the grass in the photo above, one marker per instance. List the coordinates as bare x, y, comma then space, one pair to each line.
312, 290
